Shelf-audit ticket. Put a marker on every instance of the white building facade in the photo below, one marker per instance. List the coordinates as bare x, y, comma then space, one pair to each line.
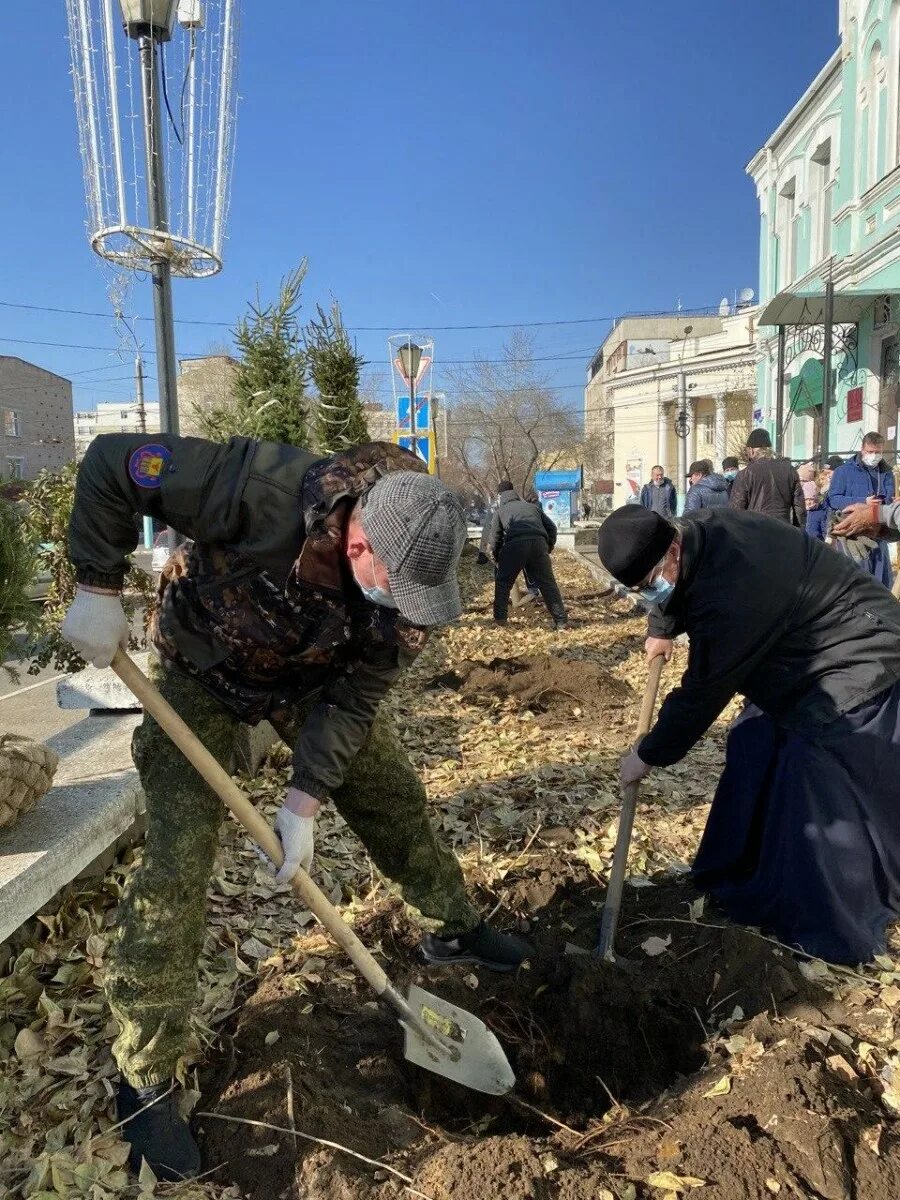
695, 401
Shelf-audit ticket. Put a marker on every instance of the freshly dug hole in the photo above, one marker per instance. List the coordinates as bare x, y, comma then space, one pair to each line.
576, 1034
540, 682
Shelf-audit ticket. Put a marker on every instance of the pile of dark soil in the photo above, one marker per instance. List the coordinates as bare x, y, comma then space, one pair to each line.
539, 683
620, 1075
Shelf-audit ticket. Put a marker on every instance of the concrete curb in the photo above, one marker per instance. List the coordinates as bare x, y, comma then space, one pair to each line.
64, 833
96, 805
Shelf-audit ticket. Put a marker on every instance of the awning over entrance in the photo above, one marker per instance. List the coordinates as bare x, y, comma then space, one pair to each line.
808, 308
807, 387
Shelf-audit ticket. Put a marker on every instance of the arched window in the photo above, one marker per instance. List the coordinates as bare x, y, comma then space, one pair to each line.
876, 86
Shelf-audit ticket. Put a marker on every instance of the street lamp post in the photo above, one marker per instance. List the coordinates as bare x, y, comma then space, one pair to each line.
411, 360
682, 425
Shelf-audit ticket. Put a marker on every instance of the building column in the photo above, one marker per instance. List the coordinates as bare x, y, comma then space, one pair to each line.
720, 437
664, 424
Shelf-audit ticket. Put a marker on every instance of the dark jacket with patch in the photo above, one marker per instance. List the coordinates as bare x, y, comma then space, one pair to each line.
777, 617
518, 519
260, 605
770, 486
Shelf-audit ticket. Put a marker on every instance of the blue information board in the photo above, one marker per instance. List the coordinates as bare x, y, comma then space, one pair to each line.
423, 447
423, 412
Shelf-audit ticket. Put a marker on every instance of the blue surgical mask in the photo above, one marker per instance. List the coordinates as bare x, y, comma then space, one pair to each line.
657, 592
376, 594
731, 474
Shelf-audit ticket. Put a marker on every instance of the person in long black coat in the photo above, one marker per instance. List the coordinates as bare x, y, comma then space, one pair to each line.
803, 838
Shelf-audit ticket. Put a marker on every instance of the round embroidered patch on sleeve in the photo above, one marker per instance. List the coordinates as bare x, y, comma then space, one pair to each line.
147, 463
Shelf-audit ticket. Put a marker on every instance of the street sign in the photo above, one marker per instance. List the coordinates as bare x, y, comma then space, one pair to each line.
423, 413
424, 448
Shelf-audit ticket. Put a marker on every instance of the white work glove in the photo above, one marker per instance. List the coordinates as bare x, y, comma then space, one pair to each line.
632, 768
96, 626
295, 826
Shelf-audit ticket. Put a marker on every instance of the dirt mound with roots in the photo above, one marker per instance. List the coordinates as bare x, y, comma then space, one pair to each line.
710, 1061
540, 682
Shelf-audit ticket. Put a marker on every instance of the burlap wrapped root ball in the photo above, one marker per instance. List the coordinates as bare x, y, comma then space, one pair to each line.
26, 773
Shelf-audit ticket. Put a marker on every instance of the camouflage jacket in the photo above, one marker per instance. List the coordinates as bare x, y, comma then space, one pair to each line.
260, 604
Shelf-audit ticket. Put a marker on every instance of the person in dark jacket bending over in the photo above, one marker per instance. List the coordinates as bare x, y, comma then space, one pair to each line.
707, 490
865, 477
767, 484
802, 838
522, 538
659, 494
308, 586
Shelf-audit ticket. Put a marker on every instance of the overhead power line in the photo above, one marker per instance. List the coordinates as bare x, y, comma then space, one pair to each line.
694, 310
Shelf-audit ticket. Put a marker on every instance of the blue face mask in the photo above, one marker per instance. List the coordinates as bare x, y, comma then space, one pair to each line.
731, 474
657, 592
376, 594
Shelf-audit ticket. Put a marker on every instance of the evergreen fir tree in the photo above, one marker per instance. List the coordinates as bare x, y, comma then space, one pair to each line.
269, 392
340, 420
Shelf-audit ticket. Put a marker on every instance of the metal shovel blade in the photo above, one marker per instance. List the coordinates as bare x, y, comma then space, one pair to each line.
474, 1057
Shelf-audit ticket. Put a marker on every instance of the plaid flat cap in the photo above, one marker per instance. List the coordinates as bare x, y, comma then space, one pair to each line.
418, 530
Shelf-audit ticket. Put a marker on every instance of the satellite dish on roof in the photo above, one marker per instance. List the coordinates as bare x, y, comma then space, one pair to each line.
724, 307
745, 297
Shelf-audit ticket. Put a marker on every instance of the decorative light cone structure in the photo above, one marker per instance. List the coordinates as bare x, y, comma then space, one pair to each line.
155, 97
192, 88
412, 360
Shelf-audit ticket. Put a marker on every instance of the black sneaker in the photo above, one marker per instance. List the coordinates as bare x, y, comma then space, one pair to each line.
560, 625
159, 1134
485, 946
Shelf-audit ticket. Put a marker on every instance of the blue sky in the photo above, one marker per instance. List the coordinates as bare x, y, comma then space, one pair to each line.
455, 164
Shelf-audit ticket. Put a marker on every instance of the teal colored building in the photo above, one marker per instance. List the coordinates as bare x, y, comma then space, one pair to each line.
828, 182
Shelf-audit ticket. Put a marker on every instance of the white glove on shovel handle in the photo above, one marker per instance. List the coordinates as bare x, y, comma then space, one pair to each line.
296, 834
96, 626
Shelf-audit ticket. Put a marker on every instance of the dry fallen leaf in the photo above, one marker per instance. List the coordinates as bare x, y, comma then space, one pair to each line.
840, 1066
722, 1088
670, 1182
29, 1044
656, 945
872, 1138
272, 1037
773, 1186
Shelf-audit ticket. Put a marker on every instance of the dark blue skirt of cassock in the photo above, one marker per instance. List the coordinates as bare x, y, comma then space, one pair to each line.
878, 564
803, 837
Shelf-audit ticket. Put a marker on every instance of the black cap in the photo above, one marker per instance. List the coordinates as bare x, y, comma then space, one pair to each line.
505, 485
834, 461
700, 467
759, 439
730, 464
631, 541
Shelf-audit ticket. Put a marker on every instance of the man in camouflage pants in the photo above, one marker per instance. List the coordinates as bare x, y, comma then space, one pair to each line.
306, 588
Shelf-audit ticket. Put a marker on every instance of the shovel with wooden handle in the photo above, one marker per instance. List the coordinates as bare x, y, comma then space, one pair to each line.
609, 922
438, 1036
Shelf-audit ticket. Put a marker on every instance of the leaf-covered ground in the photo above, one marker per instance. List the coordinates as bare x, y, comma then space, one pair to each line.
524, 787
